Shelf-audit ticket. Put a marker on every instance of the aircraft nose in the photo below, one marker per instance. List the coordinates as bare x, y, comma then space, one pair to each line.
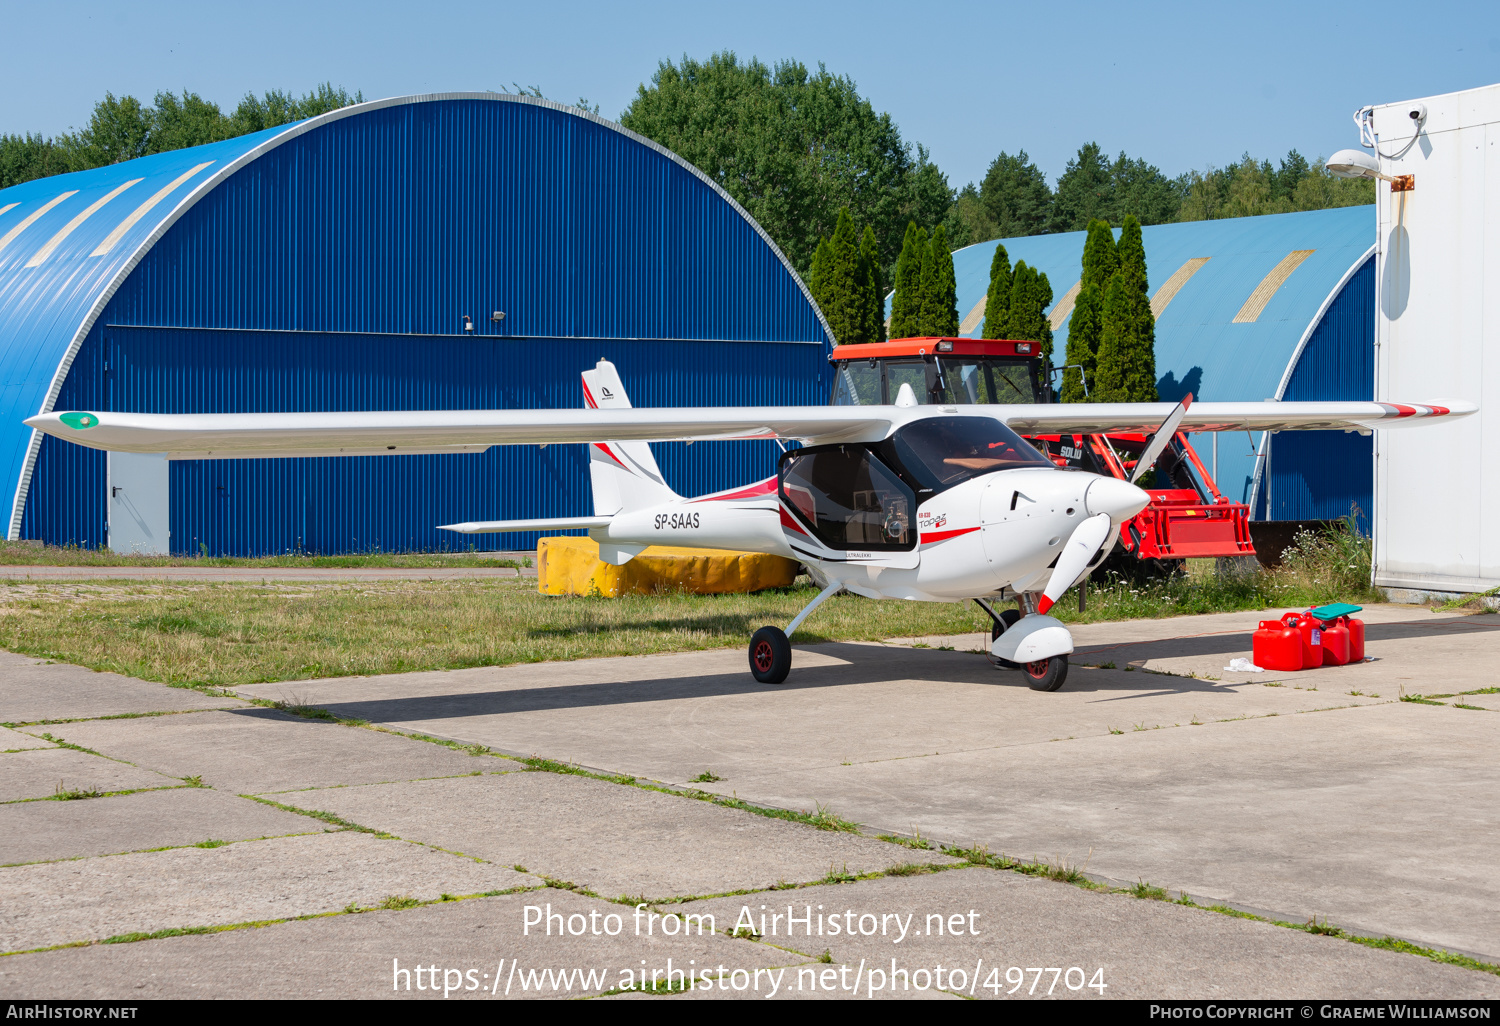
1120, 499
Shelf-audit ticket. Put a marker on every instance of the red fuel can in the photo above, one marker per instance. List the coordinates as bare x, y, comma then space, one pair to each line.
1311, 629
1277, 646
1335, 643
1356, 638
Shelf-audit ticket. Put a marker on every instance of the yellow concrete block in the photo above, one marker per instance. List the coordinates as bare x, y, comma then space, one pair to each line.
571, 566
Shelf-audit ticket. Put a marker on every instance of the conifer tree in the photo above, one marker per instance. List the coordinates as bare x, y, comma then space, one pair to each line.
1127, 345
939, 291
1042, 292
1100, 257
1030, 296
1083, 348
869, 251
845, 299
1100, 262
817, 277
997, 300
906, 305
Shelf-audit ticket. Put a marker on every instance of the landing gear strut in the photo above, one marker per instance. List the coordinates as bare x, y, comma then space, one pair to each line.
771, 648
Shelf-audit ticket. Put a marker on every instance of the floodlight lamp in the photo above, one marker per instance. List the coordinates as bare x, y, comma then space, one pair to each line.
1353, 164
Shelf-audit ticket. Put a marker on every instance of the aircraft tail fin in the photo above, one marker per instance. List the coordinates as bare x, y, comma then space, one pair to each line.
624, 474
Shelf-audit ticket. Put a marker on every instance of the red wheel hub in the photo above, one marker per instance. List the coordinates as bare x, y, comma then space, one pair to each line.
1038, 669
764, 657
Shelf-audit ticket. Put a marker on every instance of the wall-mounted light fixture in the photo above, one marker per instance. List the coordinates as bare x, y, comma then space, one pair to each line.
468, 323
498, 316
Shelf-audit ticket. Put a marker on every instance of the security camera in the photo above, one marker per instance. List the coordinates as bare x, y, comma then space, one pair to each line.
1418, 113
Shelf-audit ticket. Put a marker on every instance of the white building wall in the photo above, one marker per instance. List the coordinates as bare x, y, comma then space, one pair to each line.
1437, 332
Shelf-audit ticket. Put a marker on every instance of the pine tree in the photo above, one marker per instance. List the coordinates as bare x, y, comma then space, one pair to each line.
1127, 346
906, 305
997, 300
940, 291
869, 251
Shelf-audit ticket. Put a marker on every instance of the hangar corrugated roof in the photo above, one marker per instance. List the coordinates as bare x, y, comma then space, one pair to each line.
1243, 292
69, 242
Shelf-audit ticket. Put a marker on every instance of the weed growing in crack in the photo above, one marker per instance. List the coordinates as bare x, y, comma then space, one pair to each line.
708, 776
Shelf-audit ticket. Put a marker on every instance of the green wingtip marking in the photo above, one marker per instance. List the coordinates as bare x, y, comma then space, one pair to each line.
80, 421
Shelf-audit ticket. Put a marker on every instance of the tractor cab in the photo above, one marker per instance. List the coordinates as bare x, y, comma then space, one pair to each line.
1188, 516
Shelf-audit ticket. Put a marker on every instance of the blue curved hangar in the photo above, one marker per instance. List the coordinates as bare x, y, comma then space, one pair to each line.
454, 251
1249, 308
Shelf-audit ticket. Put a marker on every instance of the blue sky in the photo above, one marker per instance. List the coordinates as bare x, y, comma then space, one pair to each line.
1180, 84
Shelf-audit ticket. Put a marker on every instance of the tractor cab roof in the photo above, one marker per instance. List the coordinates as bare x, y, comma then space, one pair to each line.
909, 347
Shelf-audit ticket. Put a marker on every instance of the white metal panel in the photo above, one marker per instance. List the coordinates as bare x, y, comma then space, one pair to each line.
1438, 328
138, 503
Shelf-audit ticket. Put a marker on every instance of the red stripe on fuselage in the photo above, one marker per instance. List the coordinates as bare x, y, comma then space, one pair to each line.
766, 487
787, 521
929, 537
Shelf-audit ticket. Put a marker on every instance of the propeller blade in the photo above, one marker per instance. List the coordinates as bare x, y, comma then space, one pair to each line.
1164, 434
1081, 547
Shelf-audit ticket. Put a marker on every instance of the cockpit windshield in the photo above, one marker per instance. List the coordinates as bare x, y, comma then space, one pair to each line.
936, 453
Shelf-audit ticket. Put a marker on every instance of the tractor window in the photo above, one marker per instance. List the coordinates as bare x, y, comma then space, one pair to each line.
971, 381
857, 384
937, 453
848, 498
908, 372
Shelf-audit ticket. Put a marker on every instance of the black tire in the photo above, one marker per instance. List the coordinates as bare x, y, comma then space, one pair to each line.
770, 655
1046, 674
1009, 617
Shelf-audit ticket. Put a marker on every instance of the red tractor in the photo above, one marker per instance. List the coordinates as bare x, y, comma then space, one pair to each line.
1188, 516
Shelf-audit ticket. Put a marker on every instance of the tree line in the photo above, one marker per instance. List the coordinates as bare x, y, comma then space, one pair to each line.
1014, 199
792, 146
123, 128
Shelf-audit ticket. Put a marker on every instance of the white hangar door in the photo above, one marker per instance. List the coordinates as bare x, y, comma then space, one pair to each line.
138, 506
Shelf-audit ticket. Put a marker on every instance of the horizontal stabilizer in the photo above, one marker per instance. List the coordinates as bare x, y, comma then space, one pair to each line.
507, 526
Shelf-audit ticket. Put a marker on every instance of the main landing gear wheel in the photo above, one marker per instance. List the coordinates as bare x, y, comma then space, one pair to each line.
770, 655
1009, 617
1046, 674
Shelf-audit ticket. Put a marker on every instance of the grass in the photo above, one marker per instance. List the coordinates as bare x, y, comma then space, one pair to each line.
24, 554
69, 794
211, 636
706, 777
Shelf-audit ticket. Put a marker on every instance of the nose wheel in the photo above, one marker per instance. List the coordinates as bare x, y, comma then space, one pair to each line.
1046, 674
770, 655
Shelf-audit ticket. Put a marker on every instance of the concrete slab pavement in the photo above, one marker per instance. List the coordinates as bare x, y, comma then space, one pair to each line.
359, 956
257, 750
250, 881
670, 717
1379, 819
610, 839
1145, 949
44, 831
43, 773
16, 741
32, 690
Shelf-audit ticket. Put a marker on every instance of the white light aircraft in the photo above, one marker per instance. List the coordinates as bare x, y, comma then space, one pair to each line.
916, 502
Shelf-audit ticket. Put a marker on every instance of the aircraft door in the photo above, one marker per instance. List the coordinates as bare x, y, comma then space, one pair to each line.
849, 500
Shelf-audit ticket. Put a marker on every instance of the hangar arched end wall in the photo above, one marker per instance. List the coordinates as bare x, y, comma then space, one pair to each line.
333, 271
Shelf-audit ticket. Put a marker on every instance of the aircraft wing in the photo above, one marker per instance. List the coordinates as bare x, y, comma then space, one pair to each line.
194, 436
1145, 418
